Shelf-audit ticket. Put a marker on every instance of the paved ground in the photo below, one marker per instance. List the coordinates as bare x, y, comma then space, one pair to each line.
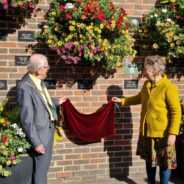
176, 179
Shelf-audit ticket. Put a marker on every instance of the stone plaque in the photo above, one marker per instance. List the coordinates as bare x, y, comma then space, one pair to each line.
3, 36
132, 68
21, 60
131, 84
50, 84
85, 84
26, 36
3, 84
137, 20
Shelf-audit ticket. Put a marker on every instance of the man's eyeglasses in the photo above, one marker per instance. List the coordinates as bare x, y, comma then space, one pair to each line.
47, 67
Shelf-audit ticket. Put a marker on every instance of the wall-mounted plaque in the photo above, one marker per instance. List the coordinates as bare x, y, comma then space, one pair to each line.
132, 68
3, 36
3, 84
85, 84
50, 84
131, 84
21, 60
26, 36
137, 20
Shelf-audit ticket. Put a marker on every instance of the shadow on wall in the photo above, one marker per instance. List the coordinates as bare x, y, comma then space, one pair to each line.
119, 147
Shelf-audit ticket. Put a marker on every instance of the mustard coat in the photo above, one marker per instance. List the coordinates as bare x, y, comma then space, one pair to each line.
161, 110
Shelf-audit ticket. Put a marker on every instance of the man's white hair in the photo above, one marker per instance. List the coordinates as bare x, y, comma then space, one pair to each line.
35, 62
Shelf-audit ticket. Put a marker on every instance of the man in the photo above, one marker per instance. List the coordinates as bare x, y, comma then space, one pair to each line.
38, 114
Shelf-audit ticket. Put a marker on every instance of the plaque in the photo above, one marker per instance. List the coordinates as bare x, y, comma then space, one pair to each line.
131, 84
132, 68
3, 84
137, 20
26, 36
50, 84
21, 60
3, 36
85, 84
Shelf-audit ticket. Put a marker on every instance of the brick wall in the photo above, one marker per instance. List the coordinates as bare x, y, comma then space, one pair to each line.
74, 160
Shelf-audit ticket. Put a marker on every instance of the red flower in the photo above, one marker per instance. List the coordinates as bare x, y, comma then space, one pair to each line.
174, 5
112, 6
123, 11
79, 1
68, 16
4, 139
127, 26
61, 7
173, 166
100, 16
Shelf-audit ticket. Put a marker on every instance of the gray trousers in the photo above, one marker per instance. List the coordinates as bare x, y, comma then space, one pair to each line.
42, 163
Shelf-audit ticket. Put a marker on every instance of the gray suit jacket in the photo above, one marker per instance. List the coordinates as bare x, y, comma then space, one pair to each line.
35, 118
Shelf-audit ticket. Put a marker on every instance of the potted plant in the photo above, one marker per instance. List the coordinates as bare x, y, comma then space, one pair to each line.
163, 27
92, 31
13, 145
180, 144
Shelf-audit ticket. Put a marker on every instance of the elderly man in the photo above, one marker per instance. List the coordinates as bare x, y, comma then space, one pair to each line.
38, 114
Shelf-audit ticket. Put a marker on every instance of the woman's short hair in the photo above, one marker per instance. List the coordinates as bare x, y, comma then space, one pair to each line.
35, 62
157, 62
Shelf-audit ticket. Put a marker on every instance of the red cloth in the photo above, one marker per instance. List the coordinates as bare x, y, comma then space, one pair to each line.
89, 127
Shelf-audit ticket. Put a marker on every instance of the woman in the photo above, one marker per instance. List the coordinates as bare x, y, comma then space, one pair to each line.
160, 119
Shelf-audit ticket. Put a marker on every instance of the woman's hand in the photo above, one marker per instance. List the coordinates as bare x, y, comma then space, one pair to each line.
171, 139
116, 99
61, 100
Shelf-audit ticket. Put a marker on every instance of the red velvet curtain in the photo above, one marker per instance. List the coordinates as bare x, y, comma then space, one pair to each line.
89, 127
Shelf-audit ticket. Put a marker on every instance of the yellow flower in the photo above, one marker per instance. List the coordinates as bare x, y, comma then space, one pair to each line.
76, 43
71, 28
49, 41
1, 167
56, 29
5, 152
155, 46
99, 31
70, 36
101, 26
53, 13
73, 23
99, 40
46, 30
59, 43
6, 173
172, 45
14, 162
8, 162
169, 40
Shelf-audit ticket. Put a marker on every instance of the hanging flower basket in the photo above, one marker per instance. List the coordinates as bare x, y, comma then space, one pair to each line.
93, 31
11, 7
163, 27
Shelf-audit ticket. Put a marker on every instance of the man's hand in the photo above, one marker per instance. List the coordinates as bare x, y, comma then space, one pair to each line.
61, 100
171, 139
116, 99
40, 149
